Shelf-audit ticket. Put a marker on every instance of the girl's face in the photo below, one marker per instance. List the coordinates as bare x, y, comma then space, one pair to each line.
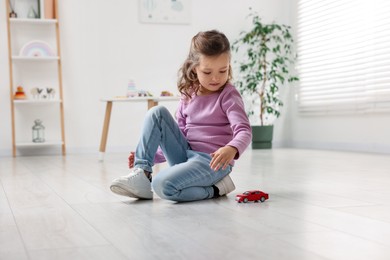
212, 72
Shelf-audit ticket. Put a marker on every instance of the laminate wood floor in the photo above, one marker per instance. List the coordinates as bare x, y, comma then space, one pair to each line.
323, 205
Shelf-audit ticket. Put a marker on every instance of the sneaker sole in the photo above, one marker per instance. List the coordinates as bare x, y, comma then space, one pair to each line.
122, 190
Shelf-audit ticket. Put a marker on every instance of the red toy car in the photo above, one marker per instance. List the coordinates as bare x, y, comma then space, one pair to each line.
252, 195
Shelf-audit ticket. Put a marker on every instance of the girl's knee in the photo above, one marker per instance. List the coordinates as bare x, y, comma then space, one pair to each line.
163, 188
158, 110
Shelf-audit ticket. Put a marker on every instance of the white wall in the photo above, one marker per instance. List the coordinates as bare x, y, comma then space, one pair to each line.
104, 45
367, 132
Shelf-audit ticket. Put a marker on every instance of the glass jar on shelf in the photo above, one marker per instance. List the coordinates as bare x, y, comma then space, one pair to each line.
38, 132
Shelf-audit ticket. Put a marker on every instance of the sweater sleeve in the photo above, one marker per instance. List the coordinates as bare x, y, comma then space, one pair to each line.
233, 105
181, 119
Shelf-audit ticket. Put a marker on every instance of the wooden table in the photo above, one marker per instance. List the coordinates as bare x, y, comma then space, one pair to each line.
151, 102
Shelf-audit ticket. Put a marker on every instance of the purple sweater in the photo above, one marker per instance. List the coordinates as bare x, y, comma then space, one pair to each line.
213, 121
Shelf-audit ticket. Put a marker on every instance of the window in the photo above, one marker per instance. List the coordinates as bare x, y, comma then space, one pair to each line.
344, 56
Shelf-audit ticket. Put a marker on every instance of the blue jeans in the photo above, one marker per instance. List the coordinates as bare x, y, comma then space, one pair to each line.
189, 176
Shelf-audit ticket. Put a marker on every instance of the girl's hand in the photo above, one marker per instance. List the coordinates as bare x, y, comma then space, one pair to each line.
222, 157
131, 160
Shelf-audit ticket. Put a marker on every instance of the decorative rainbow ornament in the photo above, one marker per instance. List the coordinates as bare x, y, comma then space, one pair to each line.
36, 48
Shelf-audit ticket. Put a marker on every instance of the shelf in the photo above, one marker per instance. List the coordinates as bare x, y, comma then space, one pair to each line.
32, 21
32, 101
32, 144
48, 58
126, 99
34, 46
138, 99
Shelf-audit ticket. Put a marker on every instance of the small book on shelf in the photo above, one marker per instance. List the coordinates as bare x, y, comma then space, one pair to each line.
46, 9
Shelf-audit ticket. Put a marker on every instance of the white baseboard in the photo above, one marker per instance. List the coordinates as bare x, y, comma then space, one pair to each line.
69, 150
352, 147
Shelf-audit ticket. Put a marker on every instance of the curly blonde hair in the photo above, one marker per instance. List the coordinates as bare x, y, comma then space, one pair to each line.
208, 43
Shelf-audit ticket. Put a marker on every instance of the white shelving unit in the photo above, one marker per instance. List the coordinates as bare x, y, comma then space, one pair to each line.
21, 58
45, 144
37, 102
32, 21
21, 31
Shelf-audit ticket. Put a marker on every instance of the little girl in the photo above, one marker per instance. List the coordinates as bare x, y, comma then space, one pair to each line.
212, 130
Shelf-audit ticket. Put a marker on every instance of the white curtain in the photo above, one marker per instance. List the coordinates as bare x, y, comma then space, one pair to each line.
343, 56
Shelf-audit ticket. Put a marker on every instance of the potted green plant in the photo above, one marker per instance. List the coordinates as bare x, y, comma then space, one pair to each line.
266, 58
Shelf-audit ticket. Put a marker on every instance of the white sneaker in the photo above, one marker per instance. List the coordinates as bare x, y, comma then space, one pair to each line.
135, 185
225, 185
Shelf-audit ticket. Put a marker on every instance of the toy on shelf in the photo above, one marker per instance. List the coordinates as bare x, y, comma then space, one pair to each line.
19, 94
41, 93
36, 48
144, 93
166, 93
36, 92
252, 195
50, 93
131, 89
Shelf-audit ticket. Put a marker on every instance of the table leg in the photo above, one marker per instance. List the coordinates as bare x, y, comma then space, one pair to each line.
106, 124
152, 103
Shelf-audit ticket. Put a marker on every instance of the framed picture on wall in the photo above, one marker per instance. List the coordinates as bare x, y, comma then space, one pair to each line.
165, 11
24, 9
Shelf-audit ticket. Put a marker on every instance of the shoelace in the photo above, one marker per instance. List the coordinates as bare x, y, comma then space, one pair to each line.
135, 174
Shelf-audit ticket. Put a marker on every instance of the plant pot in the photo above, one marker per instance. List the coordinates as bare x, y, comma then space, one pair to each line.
262, 136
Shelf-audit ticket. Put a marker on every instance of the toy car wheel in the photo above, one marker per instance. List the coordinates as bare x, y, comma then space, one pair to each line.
245, 200
262, 199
